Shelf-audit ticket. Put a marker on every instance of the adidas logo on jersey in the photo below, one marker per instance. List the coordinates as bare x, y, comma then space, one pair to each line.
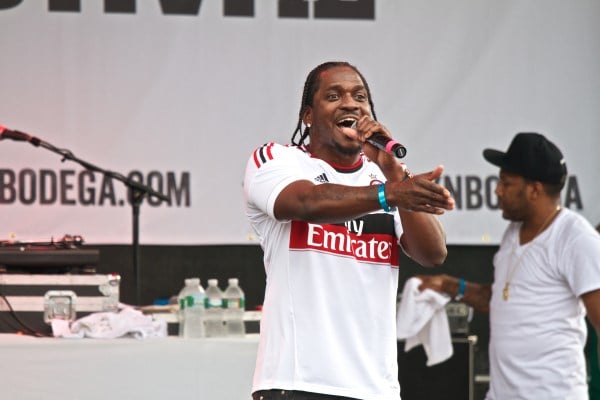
321, 178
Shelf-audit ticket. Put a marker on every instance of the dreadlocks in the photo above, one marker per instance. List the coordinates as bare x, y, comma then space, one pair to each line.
312, 85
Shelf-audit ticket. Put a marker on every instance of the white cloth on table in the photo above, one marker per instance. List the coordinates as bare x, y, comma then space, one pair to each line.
109, 325
422, 320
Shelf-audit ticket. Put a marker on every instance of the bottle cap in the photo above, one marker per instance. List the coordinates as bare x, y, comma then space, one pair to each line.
192, 281
233, 281
213, 282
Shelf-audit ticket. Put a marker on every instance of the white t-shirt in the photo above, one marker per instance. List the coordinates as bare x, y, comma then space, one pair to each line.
328, 322
537, 336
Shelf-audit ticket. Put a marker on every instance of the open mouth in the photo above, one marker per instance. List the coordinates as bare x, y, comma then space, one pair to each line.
347, 123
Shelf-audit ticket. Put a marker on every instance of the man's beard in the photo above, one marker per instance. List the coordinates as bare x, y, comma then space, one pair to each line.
348, 151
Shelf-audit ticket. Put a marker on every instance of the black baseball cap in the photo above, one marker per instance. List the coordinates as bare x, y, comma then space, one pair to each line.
532, 156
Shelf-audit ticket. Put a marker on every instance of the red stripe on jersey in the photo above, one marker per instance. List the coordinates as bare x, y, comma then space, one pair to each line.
262, 154
377, 248
268, 148
255, 157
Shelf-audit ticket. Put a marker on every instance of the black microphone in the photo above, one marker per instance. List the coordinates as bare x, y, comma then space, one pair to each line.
385, 143
6, 133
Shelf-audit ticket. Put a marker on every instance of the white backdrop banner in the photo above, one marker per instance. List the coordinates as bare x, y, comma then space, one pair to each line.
177, 94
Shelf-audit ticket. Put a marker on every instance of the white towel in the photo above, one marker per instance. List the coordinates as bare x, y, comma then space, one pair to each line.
422, 319
109, 325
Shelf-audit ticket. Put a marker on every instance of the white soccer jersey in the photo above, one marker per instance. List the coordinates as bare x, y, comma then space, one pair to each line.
328, 323
538, 334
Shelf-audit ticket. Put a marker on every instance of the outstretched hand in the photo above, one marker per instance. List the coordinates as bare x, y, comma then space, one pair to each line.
421, 193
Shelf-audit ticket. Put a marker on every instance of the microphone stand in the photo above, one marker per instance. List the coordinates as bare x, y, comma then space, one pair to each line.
137, 191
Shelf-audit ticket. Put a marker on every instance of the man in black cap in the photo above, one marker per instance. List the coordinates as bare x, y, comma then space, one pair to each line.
546, 276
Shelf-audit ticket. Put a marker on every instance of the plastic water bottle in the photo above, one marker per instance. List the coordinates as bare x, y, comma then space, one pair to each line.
213, 318
234, 309
181, 303
193, 309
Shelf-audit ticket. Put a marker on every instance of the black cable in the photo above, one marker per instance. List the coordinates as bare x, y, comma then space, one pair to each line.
28, 330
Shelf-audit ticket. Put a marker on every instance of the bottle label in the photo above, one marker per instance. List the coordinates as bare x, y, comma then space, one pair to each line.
234, 303
192, 300
213, 303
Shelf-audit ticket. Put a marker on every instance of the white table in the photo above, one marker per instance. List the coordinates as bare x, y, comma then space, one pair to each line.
89, 369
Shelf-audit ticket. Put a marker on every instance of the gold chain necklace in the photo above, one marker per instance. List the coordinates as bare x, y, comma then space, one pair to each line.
511, 271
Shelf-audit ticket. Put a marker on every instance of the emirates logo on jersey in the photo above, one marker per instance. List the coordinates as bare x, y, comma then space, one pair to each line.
342, 240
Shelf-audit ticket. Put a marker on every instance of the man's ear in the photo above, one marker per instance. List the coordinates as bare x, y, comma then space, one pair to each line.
537, 189
307, 116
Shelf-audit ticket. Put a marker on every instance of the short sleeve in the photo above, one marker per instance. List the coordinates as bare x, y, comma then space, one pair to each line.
583, 260
270, 169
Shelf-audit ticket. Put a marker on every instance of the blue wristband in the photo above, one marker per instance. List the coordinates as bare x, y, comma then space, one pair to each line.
382, 201
462, 286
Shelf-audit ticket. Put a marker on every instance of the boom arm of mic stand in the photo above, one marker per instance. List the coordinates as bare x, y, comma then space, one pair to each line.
131, 184
138, 191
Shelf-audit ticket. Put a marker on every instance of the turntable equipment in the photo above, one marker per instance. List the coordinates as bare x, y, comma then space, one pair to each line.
63, 256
